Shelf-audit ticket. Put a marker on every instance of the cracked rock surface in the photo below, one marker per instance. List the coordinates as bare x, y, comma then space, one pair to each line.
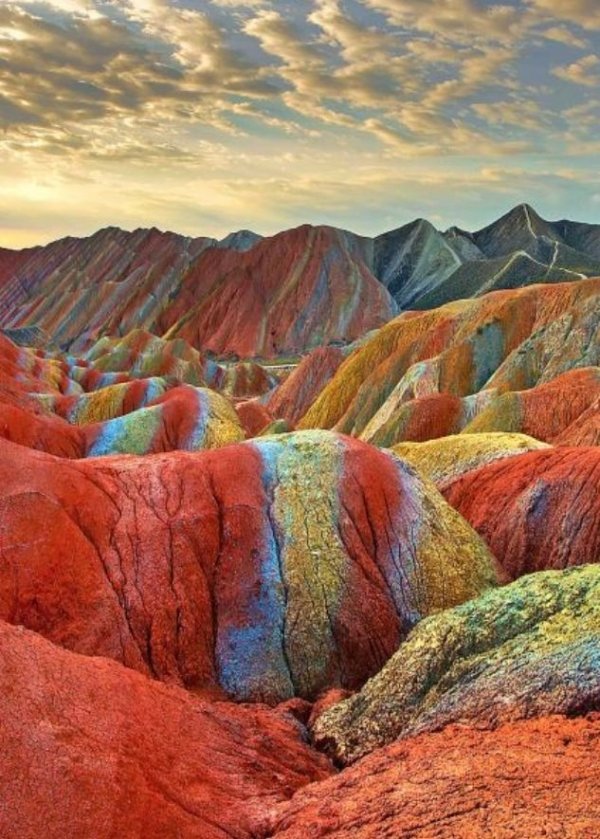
276, 568
536, 511
90, 748
529, 649
532, 778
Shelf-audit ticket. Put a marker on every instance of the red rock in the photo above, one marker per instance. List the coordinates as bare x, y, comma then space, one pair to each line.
47, 434
90, 748
287, 293
246, 379
266, 568
292, 399
23, 372
507, 340
184, 418
546, 411
584, 431
253, 416
290, 292
122, 272
528, 779
536, 511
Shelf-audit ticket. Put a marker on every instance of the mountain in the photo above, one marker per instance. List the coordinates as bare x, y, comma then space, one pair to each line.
429, 374
244, 295
251, 296
234, 618
412, 260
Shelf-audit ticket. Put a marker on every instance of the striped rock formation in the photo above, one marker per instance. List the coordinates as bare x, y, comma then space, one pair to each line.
249, 297
108, 283
23, 372
294, 291
286, 293
253, 416
446, 458
531, 778
535, 511
547, 411
140, 354
275, 568
526, 650
584, 431
246, 379
292, 399
90, 748
562, 411
184, 418
505, 340
105, 403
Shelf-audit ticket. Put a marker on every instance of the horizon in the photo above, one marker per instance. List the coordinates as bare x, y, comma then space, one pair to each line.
205, 116
269, 235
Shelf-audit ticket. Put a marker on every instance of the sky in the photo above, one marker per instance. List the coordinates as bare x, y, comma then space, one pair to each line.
206, 116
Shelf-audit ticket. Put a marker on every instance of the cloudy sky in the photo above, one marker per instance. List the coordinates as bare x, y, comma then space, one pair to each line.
204, 116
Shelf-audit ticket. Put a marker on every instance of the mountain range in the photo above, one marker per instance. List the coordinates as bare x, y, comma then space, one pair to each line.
251, 296
355, 593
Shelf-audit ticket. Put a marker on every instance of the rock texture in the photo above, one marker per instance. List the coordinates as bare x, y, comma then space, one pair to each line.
125, 419
250, 297
141, 354
253, 416
292, 399
536, 511
459, 357
90, 748
198, 631
532, 778
552, 411
529, 649
447, 458
274, 568
286, 293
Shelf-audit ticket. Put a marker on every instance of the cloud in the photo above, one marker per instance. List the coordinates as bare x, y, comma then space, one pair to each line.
585, 71
523, 114
455, 20
153, 64
584, 13
186, 97
563, 35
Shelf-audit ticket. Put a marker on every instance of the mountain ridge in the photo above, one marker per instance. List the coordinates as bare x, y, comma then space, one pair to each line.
255, 296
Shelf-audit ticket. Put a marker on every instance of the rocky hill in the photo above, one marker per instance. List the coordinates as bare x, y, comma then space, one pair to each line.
354, 594
251, 296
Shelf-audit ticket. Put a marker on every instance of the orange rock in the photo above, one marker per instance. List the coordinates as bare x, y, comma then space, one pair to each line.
90, 748
528, 779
